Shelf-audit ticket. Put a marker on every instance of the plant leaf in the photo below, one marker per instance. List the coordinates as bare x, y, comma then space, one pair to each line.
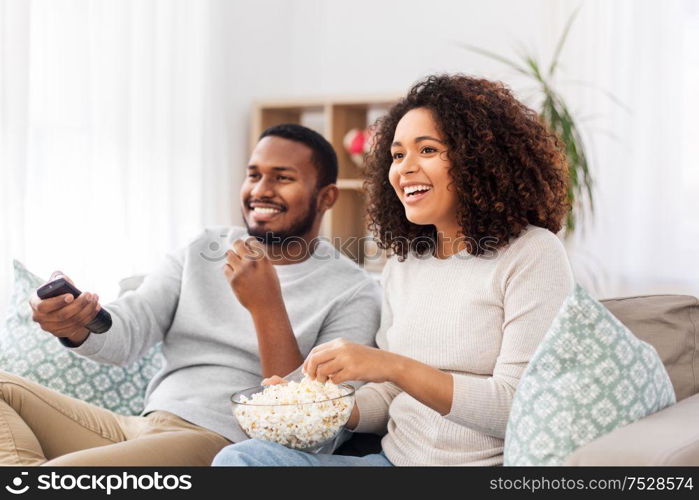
534, 67
606, 92
493, 55
562, 41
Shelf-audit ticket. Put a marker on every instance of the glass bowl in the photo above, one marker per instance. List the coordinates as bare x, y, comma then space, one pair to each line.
301, 426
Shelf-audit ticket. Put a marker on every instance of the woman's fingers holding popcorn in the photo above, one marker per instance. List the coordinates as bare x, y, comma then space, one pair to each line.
341, 376
356, 361
325, 349
315, 359
326, 371
274, 380
321, 348
333, 344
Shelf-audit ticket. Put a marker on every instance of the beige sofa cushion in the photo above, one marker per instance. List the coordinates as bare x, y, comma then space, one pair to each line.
670, 324
653, 440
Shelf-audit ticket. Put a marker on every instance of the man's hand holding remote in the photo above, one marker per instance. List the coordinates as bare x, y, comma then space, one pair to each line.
64, 316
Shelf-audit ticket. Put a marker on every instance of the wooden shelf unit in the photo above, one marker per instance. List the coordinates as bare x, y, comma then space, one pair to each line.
346, 224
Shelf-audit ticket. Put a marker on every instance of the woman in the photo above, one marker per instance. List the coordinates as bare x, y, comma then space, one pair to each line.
467, 189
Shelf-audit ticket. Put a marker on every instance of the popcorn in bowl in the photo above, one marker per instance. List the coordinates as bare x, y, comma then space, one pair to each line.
301, 415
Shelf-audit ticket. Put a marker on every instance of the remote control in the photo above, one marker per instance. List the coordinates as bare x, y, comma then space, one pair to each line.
60, 286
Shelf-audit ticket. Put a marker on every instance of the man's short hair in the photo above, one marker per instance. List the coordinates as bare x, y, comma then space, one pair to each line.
323, 155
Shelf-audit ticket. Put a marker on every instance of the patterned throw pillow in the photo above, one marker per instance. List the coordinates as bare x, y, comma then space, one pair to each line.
589, 376
28, 351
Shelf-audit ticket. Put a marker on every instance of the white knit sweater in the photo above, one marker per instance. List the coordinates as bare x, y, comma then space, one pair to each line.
479, 318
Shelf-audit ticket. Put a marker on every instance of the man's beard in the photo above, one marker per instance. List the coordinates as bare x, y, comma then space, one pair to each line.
299, 228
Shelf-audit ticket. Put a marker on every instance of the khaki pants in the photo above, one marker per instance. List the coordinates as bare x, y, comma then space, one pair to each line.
39, 426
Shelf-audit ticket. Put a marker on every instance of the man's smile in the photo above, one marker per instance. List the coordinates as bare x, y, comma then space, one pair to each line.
265, 211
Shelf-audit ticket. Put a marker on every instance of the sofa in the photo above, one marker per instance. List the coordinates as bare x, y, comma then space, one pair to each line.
670, 323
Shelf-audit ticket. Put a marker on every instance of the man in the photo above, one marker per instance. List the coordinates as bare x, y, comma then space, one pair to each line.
225, 320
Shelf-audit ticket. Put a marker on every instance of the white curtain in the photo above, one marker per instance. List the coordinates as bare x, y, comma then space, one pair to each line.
112, 137
644, 237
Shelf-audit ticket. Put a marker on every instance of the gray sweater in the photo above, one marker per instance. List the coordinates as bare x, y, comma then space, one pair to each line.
208, 339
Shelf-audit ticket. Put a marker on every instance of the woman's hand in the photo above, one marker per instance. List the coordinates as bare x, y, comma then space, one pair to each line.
274, 380
341, 360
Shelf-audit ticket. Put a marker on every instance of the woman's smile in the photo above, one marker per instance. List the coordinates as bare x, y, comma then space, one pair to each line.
413, 193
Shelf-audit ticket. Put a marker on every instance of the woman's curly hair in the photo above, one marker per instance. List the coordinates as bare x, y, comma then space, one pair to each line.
509, 170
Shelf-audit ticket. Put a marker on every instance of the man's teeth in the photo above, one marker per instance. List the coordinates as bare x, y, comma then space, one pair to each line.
266, 210
413, 189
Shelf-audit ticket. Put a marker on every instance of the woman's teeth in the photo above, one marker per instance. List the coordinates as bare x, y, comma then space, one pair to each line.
411, 190
266, 210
